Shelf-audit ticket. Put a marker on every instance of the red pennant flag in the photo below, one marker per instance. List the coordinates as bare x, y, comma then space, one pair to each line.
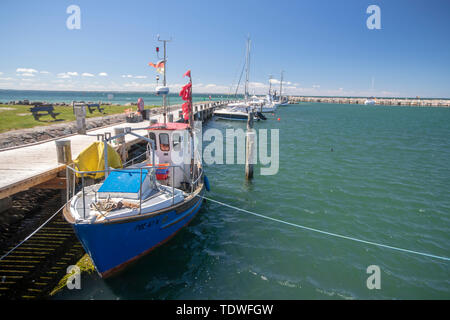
186, 107
187, 74
185, 92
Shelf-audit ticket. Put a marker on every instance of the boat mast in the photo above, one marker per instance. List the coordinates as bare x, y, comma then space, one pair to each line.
281, 84
270, 85
164, 79
247, 68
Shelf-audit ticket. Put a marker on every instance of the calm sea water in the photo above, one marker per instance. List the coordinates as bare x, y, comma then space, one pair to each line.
387, 180
114, 97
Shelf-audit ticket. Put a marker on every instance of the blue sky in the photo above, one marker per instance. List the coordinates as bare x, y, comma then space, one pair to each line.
324, 47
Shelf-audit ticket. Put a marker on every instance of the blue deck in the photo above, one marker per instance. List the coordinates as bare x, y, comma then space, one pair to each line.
123, 181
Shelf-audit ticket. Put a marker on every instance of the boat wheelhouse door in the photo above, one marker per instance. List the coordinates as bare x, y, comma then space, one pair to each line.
172, 147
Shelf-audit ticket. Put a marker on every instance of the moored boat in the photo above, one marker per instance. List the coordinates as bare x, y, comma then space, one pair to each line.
130, 211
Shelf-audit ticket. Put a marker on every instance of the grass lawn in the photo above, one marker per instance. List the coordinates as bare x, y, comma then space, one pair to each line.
20, 117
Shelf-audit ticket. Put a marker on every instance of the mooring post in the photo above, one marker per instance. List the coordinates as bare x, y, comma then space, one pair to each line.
63, 151
120, 141
64, 156
249, 148
80, 114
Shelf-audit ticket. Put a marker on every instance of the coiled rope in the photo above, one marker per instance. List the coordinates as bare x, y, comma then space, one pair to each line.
329, 233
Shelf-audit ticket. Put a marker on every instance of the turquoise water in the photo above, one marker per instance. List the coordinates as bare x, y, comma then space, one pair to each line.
114, 97
387, 180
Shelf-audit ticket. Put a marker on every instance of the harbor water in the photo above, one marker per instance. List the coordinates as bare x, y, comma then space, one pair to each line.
375, 173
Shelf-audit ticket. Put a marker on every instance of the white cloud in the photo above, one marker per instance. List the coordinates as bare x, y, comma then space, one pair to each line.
63, 75
1, 73
316, 86
44, 72
74, 74
26, 74
103, 74
86, 74
131, 76
26, 70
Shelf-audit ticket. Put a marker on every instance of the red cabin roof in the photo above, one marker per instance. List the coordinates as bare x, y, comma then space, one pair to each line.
169, 126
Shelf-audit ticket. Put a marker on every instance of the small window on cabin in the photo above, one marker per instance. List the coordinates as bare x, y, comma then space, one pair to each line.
176, 141
152, 136
164, 142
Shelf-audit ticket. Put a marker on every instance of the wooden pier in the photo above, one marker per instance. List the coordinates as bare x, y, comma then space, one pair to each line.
378, 101
32, 270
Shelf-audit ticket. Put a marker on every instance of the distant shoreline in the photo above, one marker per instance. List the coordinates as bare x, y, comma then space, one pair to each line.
218, 94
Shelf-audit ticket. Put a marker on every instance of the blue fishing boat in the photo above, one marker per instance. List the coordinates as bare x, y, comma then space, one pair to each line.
136, 208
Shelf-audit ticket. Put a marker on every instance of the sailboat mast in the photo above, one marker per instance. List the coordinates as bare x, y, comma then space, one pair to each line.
270, 85
247, 68
281, 85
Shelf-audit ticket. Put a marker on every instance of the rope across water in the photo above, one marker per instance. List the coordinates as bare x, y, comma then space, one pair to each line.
330, 233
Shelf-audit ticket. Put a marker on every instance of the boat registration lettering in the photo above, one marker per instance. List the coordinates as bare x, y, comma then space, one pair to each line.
146, 225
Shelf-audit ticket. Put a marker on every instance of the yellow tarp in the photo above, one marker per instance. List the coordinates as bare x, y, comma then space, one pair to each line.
92, 159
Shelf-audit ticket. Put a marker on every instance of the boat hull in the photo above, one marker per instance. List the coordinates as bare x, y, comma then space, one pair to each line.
226, 116
112, 245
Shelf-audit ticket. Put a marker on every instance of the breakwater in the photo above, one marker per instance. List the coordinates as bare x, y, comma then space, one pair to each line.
378, 101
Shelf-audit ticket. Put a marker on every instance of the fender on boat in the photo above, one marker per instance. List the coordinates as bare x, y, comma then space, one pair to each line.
205, 179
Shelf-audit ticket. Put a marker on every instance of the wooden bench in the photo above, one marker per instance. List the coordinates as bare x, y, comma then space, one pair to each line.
95, 106
42, 110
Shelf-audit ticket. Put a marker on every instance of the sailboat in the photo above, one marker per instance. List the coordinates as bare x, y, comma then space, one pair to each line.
240, 110
135, 209
281, 101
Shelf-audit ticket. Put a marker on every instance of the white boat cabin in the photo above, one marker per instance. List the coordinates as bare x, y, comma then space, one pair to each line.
173, 146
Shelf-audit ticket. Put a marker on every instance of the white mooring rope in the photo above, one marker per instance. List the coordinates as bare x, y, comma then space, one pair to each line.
32, 234
329, 233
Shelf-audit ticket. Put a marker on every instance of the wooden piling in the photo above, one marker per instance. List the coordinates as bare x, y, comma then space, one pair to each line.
250, 148
63, 151
80, 114
120, 141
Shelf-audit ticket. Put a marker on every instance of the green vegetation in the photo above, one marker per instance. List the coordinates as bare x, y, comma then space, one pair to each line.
19, 116
85, 264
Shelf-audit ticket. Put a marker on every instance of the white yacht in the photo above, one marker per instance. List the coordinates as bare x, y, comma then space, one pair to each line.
240, 110
370, 101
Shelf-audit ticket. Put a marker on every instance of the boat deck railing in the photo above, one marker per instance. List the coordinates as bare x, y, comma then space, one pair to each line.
73, 175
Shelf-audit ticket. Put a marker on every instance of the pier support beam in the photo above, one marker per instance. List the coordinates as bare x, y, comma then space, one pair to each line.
5, 204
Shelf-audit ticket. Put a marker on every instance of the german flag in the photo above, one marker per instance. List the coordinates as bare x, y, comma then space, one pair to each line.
159, 66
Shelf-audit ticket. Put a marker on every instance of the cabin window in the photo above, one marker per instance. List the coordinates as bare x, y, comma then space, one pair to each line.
176, 141
152, 136
164, 144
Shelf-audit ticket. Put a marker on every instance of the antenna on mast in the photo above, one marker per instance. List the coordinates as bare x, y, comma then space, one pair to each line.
164, 75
